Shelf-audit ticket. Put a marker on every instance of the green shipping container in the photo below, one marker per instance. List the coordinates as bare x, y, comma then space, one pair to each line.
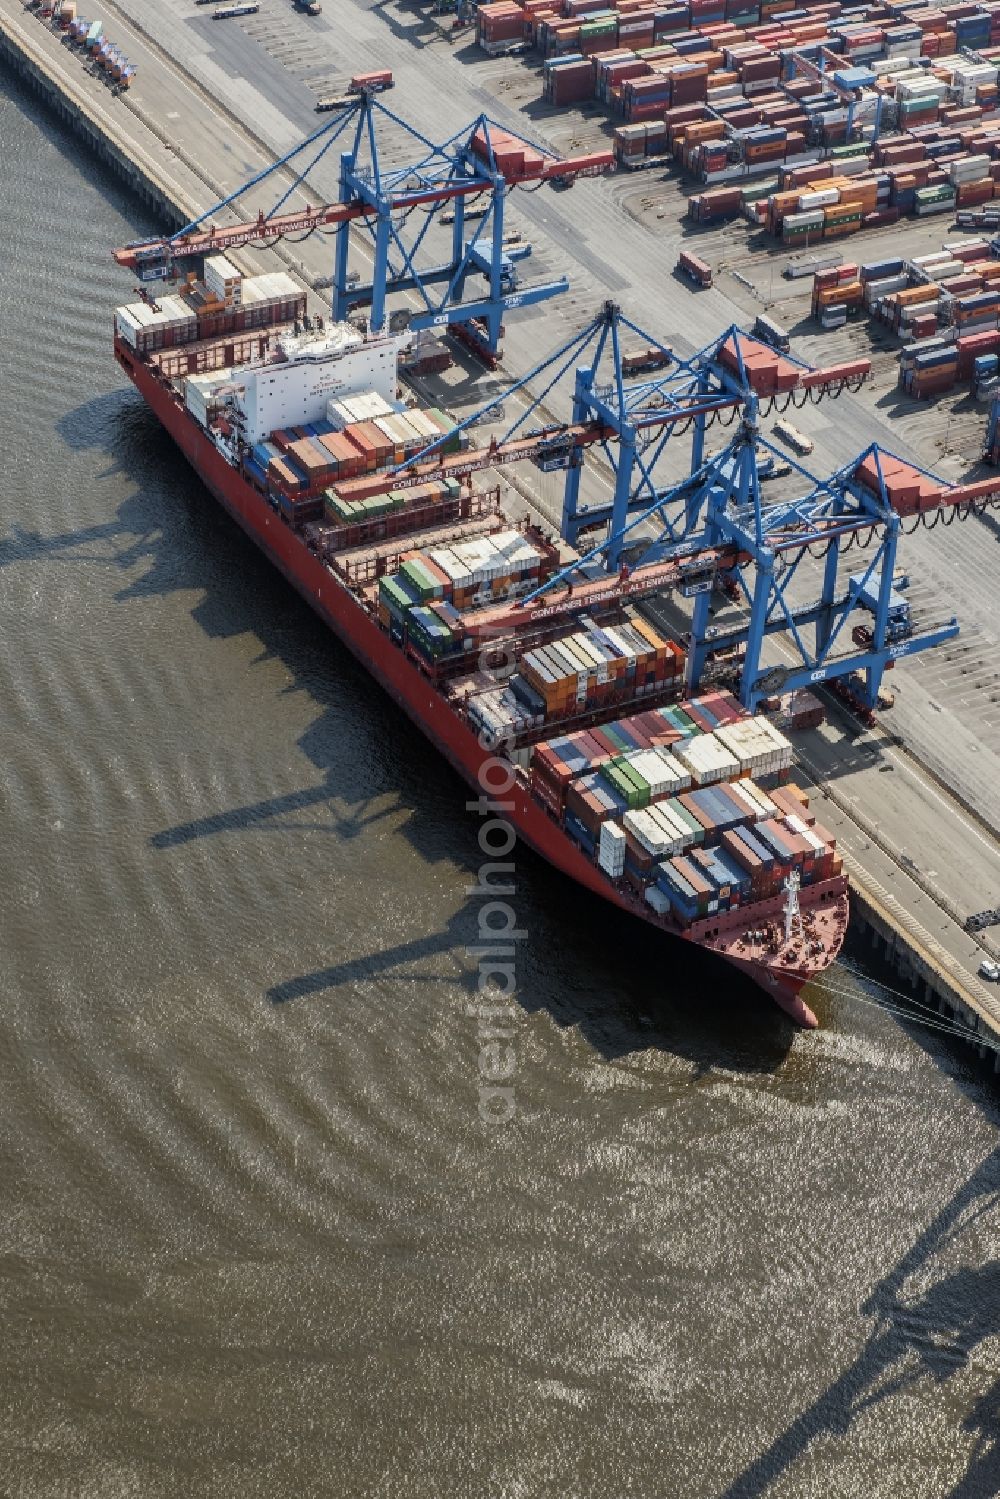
682, 722
610, 732
688, 820
423, 582
396, 596
338, 509
622, 785
639, 782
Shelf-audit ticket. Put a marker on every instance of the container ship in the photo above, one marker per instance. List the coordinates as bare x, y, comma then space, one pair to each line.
566, 706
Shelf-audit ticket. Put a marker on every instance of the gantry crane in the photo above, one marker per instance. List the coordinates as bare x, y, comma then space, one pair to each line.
715, 529
861, 101
397, 206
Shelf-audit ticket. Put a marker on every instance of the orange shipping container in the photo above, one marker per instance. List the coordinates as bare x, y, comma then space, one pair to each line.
912, 296
707, 130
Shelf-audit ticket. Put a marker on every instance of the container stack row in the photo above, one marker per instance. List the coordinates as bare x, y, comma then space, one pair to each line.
658, 816
422, 602
301, 466
945, 306
559, 762
944, 169
90, 35
749, 864
581, 673
466, 574
202, 312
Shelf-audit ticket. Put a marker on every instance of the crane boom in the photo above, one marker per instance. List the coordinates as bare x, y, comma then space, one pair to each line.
594, 592
263, 230
911, 491
526, 166
473, 460
963, 494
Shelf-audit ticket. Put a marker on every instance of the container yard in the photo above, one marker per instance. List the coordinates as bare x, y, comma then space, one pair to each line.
853, 141
815, 123
941, 306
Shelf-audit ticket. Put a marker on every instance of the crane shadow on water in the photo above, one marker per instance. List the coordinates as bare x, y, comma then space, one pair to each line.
920, 1332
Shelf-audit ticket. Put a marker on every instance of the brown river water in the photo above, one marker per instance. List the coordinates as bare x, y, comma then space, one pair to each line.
255, 1236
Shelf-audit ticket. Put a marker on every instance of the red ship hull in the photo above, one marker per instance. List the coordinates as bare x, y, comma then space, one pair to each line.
455, 739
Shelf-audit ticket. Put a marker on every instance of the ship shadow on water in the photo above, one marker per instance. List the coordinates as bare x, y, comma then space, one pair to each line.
570, 966
623, 985
919, 1333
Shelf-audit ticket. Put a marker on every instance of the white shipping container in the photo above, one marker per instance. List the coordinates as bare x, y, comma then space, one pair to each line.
612, 835
969, 169
707, 759
949, 269
673, 767
611, 849
824, 197
853, 166
223, 279
200, 392
650, 834
963, 248
370, 406
674, 825
922, 86
448, 562
797, 221
875, 290
739, 788
127, 325
814, 841
764, 802
423, 424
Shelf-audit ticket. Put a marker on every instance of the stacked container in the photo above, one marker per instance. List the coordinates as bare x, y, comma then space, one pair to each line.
611, 849
760, 748
645, 776
499, 26
223, 280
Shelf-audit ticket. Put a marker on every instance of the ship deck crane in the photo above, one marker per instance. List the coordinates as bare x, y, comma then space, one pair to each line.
397, 205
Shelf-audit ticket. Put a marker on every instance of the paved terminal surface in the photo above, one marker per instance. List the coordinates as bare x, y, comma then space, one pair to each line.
216, 101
